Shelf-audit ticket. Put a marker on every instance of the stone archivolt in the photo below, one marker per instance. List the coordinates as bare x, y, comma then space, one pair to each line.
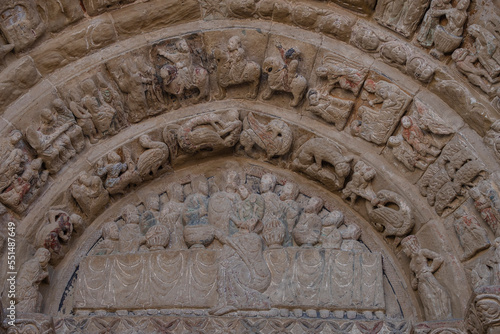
133, 116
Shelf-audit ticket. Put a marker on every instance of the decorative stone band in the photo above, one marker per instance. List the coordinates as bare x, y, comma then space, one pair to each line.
309, 278
483, 314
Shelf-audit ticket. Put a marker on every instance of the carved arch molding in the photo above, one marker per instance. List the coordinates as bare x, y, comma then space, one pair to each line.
237, 166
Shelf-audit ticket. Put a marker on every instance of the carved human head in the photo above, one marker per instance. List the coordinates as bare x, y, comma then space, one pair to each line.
474, 30
395, 141
267, 183
36, 164
290, 191
410, 245
343, 168
152, 202
43, 256
406, 122
88, 87
313, 97
243, 191
110, 231
334, 218
394, 52
232, 181
114, 157
420, 69
474, 193
459, 213
199, 184
234, 43
182, 46
58, 105
175, 192
459, 54
463, 4
47, 116
15, 136
367, 39
314, 205
130, 214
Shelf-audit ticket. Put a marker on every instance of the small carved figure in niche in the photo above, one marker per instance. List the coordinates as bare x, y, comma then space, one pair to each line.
308, 230
323, 161
377, 125
423, 263
431, 20
12, 158
83, 117
275, 138
486, 208
290, 209
243, 273
119, 175
153, 158
447, 38
401, 16
90, 194
329, 108
64, 116
183, 74
221, 205
157, 237
210, 132
331, 237
465, 62
406, 155
57, 233
471, 234
283, 75
233, 68
103, 115
492, 138
110, 245
391, 222
31, 274
273, 203
388, 12
130, 236
197, 230
171, 215
20, 23
150, 216
129, 79
360, 184
487, 49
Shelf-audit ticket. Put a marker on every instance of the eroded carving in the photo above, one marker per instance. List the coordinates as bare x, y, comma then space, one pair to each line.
471, 234
401, 16
89, 193
153, 158
118, 172
360, 183
492, 138
448, 179
486, 202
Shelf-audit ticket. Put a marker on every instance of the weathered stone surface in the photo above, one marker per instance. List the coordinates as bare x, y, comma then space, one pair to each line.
16, 80
75, 43
153, 15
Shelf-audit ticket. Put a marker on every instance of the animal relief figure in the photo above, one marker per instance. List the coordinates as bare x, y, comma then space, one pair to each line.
153, 158
377, 125
423, 264
233, 68
387, 220
333, 75
180, 74
282, 75
211, 132
447, 180
324, 161
275, 138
